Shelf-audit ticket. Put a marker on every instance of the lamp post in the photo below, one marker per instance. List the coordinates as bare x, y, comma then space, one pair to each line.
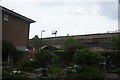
41, 36
41, 33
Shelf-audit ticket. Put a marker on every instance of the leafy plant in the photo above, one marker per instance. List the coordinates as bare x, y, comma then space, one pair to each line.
70, 45
35, 42
87, 57
115, 42
55, 70
44, 58
90, 72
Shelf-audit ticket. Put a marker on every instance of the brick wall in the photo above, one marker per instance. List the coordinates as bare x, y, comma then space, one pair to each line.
15, 30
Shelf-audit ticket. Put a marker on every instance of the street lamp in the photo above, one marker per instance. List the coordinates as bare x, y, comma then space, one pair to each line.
41, 33
41, 36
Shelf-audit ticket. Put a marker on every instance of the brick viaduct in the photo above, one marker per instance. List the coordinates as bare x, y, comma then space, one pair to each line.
99, 42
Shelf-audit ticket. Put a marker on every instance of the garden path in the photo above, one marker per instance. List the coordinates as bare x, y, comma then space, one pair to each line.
112, 75
30, 75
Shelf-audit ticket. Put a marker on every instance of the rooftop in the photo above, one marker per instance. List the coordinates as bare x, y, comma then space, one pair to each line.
16, 14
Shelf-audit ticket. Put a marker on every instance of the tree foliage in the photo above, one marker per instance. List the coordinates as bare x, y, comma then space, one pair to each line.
87, 57
44, 58
115, 42
35, 42
70, 45
8, 49
69, 42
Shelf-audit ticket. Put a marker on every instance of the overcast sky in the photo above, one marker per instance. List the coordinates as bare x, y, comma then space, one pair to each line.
73, 17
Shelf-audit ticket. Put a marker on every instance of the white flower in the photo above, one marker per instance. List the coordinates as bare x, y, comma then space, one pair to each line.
18, 72
73, 70
10, 73
31, 59
14, 71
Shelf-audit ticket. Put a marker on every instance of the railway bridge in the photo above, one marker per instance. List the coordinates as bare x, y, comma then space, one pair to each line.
99, 42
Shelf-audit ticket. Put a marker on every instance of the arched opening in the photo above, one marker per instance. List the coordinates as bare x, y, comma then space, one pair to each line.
51, 48
99, 46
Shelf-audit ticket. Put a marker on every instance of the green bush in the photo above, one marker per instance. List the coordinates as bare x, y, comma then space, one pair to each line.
44, 58
55, 70
70, 44
27, 63
115, 42
87, 57
35, 42
89, 72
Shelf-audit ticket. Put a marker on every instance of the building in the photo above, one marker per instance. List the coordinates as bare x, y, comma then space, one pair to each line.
15, 28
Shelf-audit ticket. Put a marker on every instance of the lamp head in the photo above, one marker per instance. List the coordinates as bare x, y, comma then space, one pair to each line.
43, 30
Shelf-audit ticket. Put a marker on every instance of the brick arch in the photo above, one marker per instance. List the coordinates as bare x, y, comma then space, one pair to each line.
43, 47
99, 46
49, 48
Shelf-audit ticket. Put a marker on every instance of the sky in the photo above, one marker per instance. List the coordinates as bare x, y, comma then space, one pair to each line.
73, 17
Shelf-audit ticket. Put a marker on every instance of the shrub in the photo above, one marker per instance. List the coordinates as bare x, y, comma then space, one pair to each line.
44, 58
89, 72
87, 57
26, 64
70, 45
35, 42
115, 42
55, 70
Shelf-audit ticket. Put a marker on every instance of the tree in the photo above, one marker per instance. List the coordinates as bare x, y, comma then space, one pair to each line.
35, 42
68, 41
70, 45
87, 57
44, 58
9, 50
115, 42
